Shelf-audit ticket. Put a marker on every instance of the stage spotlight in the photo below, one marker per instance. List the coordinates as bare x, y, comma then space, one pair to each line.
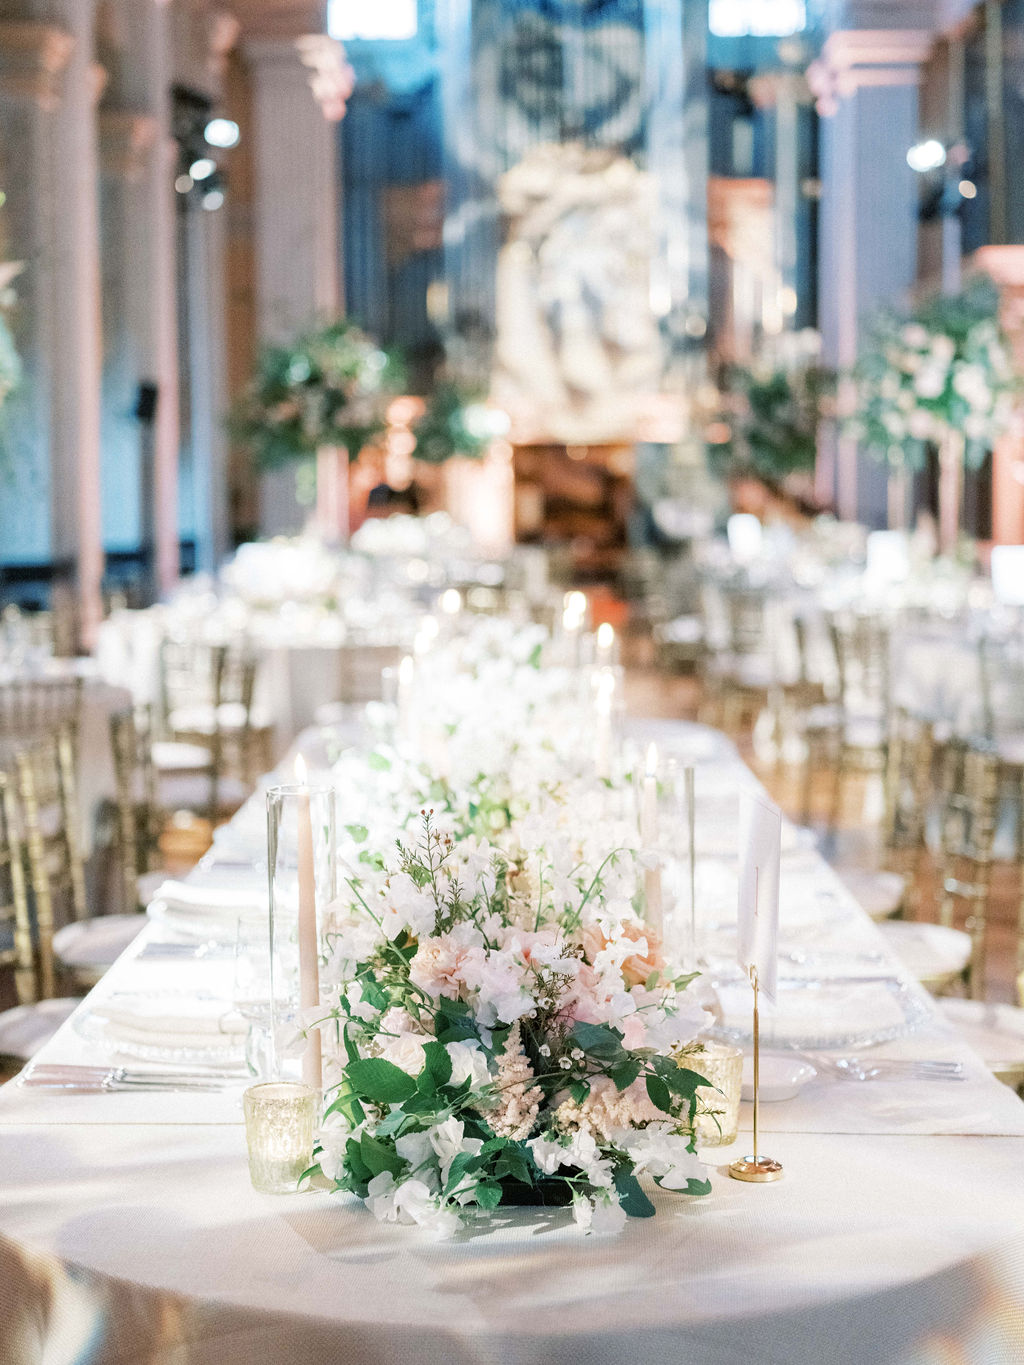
202, 168
222, 132
926, 156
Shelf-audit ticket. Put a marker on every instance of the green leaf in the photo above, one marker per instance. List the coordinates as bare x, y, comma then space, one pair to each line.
373, 995
683, 1081
488, 1194
439, 1064
535, 655
378, 1156
516, 1163
652, 980
659, 1093
379, 762
600, 1041
463, 1164
626, 1072
579, 1090
632, 1198
373, 1078
359, 833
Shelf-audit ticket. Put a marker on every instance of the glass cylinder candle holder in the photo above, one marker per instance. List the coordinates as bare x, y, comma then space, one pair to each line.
280, 1118
717, 1120
302, 875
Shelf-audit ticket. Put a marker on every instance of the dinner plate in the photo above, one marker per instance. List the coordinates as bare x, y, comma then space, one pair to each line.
779, 1077
823, 1012
127, 1025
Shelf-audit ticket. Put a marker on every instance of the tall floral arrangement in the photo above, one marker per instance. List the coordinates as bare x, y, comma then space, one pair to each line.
771, 410
329, 387
944, 369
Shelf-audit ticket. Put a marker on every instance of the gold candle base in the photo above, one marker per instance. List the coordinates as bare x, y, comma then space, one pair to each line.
760, 1170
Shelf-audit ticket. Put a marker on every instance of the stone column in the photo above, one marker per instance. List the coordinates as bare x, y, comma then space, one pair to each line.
866, 83
138, 158
1005, 266
33, 59
296, 216
74, 319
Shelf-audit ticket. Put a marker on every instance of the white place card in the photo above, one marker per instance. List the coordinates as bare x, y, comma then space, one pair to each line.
757, 940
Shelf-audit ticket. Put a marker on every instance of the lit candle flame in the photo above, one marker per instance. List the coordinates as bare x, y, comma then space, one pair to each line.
605, 636
300, 770
406, 670
451, 602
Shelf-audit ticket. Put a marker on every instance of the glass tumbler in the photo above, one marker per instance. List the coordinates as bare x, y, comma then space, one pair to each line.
717, 1120
280, 1117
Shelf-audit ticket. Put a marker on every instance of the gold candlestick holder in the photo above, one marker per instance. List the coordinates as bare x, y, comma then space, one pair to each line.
756, 1169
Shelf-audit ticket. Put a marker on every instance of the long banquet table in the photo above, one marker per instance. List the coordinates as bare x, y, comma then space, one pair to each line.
129, 1231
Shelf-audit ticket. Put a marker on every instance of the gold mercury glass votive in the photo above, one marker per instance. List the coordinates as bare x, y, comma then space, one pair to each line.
280, 1117
717, 1120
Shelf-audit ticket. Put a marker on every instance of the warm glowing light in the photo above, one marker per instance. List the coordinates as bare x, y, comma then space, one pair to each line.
300, 770
651, 765
574, 610
968, 189
451, 602
406, 670
605, 635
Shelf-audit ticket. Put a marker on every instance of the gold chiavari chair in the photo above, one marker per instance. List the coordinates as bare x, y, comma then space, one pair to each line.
45, 769
208, 692
940, 955
884, 892
860, 646
739, 670
30, 707
39, 1013
87, 947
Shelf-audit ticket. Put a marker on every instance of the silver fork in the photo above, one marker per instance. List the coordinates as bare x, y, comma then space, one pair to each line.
54, 1076
887, 1068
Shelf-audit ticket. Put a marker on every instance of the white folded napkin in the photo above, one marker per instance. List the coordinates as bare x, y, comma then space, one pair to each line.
178, 1022
197, 896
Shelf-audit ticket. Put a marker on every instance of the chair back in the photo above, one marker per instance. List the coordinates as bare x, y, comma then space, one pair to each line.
16, 949
969, 786
135, 779
908, 782
861, 648
33, 707
45, 772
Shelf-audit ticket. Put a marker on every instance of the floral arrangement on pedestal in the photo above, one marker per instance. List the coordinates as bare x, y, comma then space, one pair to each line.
767, 424
328, 388
456, 423
506, 1031
943, 370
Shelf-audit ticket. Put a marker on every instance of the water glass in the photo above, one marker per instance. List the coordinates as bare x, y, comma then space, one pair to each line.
280, 1119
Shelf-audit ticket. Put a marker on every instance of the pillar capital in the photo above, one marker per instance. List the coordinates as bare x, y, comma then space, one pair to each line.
125, 140
33, 57
853, 59
318, 60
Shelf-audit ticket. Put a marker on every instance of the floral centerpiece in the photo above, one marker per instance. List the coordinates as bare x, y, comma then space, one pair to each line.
943, 369
329, 387
505, 1030
771, 410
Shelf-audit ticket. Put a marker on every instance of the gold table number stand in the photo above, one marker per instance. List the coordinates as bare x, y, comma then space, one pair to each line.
756, 1169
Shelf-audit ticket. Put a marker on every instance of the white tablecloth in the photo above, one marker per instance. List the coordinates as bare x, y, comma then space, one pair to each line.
896, 1236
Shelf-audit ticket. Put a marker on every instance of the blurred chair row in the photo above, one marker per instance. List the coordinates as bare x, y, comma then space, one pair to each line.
49, 938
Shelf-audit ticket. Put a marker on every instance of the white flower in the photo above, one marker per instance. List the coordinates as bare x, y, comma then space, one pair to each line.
599, 1215
448, 1140
664, 1155
407, 906
468, 1062
418, 1150
930, 382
